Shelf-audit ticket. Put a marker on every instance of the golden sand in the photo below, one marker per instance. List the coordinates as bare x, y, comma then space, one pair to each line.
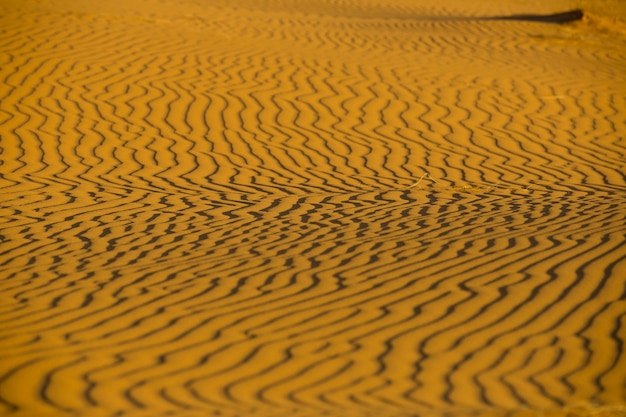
312, 208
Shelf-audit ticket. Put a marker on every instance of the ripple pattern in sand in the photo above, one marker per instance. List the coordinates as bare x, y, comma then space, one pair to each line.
262, 210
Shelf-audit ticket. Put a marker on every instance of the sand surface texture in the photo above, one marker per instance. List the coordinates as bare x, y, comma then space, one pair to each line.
310, 208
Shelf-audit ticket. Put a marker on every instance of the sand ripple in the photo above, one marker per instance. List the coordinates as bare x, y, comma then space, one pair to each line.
283, 209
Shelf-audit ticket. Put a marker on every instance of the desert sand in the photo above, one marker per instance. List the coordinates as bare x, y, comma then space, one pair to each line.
312, 208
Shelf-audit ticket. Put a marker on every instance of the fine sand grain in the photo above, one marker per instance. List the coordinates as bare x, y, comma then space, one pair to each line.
312, 208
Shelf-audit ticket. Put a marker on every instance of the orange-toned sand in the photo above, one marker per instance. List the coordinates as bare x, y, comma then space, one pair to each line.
312, 208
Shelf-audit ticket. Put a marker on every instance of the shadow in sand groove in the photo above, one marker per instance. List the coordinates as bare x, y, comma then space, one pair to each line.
556, 18
563, 17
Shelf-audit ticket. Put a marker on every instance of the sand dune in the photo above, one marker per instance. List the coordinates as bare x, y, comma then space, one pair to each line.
311, 208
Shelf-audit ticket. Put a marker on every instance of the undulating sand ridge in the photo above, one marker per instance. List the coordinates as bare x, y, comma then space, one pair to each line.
298, 208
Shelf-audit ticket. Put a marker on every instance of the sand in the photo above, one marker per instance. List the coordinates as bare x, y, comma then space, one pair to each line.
312, 208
